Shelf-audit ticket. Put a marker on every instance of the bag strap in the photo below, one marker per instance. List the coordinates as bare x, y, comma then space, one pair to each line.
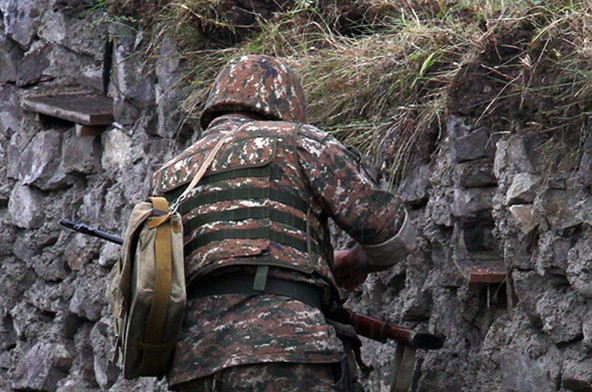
162, 281
200, 172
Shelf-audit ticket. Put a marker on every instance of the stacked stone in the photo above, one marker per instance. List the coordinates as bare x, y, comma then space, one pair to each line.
55, 325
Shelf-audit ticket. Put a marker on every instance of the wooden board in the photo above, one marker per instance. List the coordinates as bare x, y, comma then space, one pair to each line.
481, 268
81, 109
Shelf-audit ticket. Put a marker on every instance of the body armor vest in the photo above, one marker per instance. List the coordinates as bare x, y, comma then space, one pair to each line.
253, 206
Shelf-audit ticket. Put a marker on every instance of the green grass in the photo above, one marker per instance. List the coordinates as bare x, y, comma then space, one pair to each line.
383, 75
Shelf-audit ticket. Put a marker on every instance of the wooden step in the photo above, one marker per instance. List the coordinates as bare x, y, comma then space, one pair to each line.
90, 113
478, 269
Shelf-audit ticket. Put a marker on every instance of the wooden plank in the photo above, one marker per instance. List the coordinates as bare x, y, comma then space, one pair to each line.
486, 275
79, 108
481, 267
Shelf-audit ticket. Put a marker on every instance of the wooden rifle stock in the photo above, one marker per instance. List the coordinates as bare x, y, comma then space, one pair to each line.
379, 330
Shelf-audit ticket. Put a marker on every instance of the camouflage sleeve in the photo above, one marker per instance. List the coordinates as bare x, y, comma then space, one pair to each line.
374, 217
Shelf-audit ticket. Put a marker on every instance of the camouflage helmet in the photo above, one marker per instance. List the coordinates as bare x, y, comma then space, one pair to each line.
256, 84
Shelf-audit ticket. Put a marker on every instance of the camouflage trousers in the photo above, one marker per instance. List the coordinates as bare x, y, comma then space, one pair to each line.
268, 377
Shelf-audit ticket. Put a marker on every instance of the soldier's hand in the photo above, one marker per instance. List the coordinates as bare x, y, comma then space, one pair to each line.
350, 267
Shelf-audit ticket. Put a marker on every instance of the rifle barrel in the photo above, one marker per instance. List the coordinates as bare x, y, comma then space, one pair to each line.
89, 230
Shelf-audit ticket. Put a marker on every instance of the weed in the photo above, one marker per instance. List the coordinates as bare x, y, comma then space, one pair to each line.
382, 75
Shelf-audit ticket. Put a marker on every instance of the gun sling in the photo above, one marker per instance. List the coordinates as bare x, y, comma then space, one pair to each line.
235, 283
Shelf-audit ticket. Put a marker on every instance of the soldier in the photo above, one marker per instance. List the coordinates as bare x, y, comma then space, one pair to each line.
259, 263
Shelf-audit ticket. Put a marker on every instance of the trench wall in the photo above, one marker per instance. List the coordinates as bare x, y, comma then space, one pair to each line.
486, 199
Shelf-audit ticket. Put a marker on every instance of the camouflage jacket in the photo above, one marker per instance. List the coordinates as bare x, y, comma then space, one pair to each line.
228, 330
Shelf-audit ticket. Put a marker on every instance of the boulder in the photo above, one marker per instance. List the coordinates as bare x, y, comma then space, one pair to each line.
472, 203
42, 367
10, 57
522, 189
561, 311
577, 375
579, 267
511, 156
479, 143
33, 65
116, 150
40, 161
414, 188
88, 300
476, 175
22, 19
26, 207
79, 35
81, 154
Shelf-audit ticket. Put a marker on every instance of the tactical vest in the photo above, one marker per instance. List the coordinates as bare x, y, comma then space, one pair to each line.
253, 206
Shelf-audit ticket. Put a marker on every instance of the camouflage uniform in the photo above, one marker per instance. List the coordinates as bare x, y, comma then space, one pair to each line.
265, 201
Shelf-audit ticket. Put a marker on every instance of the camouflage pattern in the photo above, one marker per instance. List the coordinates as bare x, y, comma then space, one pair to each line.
278, 377
256, 84
266, 199
223, 331
270, 147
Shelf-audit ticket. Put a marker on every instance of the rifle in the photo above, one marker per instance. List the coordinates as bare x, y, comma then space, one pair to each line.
89, 230
381, 331
363, 325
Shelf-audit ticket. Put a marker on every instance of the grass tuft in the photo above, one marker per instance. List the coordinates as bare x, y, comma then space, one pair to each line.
382, 75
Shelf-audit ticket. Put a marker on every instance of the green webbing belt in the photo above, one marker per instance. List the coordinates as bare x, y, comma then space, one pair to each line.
244, 193
250, 234
240, 214
251, 172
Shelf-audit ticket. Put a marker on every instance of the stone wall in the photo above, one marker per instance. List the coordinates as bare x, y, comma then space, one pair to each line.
485, 198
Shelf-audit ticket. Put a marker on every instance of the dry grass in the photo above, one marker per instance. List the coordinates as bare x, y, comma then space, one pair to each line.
382, 75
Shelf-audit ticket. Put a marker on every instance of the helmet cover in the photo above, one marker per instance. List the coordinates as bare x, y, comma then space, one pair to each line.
256, 84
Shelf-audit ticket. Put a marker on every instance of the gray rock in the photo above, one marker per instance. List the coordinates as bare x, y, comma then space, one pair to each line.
88, 300
551, 253
22, 19
479, 143
523, 216
577, 375
133, 82
51, 266
10, 110
561, 312
79, 35
522, 189
26, 207
585, 169
470, 203
116, 150
8, 338
106, 372
80, 251
511, 156
476, 175
33, 65
42, 367
168, 91
579, 269
41, 159
7, 235
414, 188
81, 154
48, 297
587, 330
10, 57
561, 207
19, 140
109, 255
521, 372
